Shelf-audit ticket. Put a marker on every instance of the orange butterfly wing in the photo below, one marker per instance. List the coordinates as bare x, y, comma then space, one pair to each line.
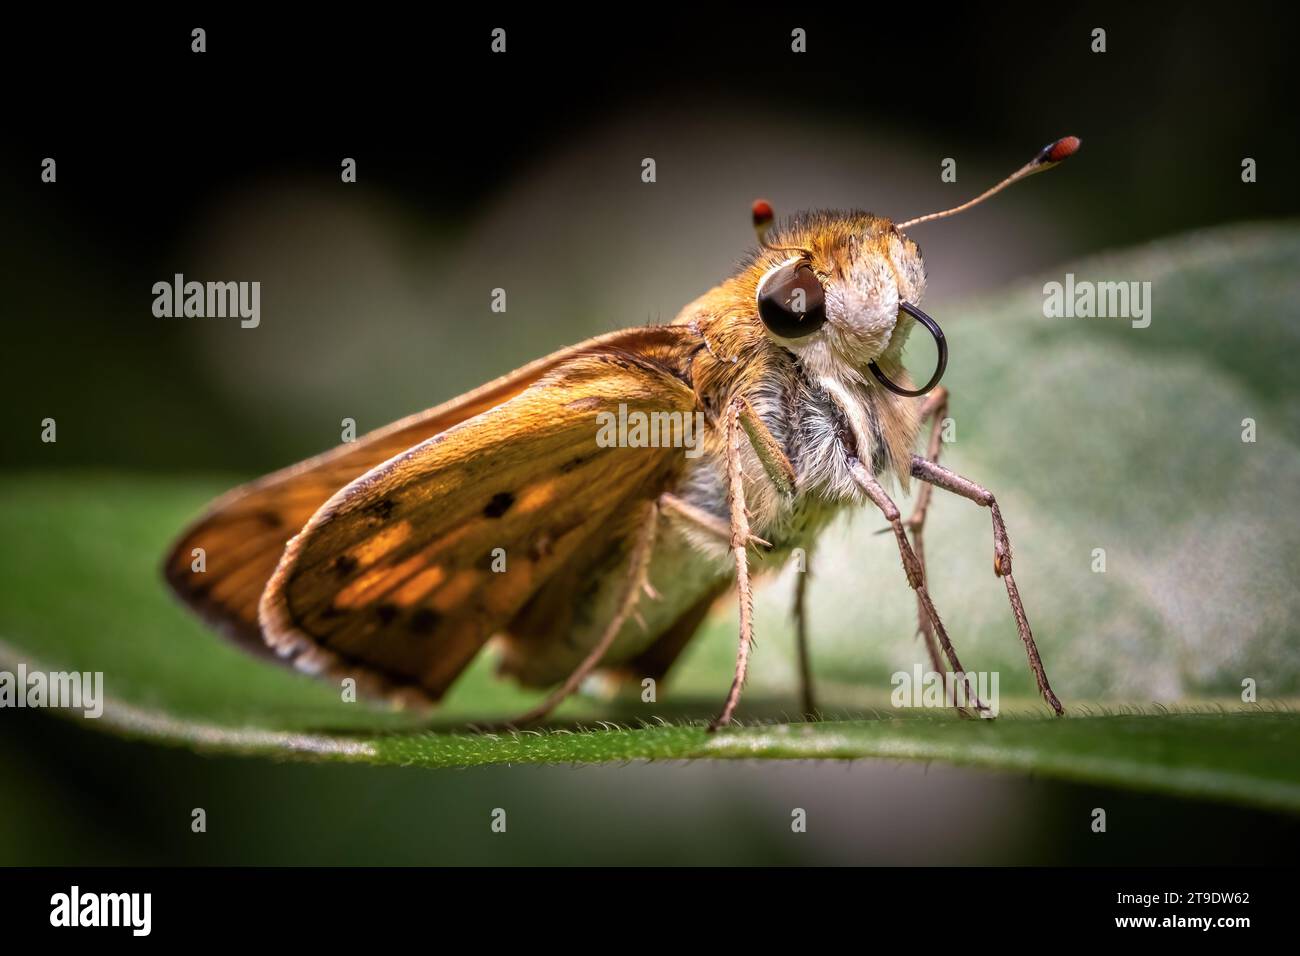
392, 580
243, 533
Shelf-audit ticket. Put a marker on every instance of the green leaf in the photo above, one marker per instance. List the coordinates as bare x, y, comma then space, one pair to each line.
1092, 433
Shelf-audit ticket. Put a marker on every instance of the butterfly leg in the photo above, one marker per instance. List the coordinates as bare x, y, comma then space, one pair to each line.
769, 451
801, 638
741, 417
934, 474
677, 508
934, 408
739, 548
635, 585
915, 572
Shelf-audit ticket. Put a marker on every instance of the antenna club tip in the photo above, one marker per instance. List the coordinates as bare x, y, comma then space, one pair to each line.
763, 214
1063, 149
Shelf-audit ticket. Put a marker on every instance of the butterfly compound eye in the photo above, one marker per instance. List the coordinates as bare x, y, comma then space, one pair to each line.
791, 301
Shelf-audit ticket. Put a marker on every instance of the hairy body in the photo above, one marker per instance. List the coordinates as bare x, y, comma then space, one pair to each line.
816, 399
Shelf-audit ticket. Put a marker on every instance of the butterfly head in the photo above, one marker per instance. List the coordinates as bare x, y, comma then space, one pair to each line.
830, 288
841, 290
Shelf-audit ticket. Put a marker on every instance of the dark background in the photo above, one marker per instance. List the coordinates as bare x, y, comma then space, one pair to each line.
149, 137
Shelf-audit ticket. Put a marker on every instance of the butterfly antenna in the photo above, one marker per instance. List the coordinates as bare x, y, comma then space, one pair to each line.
763, 219
1047, 157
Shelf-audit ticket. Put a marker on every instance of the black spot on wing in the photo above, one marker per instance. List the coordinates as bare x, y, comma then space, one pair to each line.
343, 565
424, 621
499, 504
381, 510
